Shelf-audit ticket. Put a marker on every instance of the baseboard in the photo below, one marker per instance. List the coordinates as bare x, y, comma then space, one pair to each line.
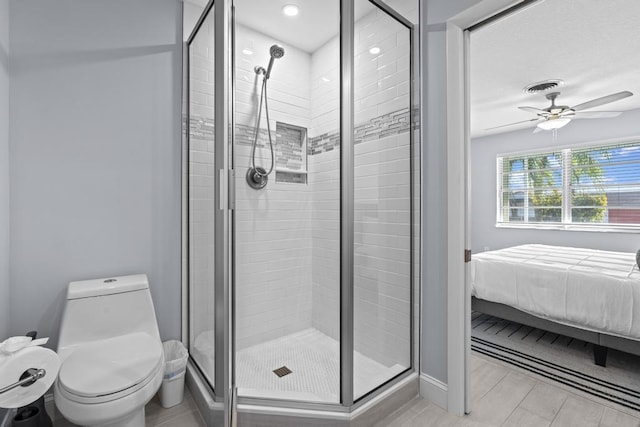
433, 390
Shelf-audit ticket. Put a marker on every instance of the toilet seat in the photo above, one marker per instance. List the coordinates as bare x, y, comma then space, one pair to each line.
110, 369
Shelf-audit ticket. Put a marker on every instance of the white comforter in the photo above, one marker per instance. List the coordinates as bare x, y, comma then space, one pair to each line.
590, 289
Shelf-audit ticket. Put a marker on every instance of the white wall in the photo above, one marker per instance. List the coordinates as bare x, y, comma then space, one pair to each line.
483, 177
4, 169
434, 184
95, 153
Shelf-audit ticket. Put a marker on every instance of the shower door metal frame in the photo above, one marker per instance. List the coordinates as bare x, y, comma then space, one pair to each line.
187, 331
223, 389
347, 190
224, 248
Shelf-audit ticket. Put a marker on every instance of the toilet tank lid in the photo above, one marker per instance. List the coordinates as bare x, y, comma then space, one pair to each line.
107, 286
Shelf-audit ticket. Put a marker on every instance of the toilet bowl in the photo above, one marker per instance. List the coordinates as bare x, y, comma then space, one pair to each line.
110, 351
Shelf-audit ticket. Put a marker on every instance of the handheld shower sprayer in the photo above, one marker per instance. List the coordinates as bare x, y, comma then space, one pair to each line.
276, 52
257, 176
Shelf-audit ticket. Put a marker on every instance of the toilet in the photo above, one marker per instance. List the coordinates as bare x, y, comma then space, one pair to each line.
110, 352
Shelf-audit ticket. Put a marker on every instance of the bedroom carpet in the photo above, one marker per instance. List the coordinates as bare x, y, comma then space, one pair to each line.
559, 358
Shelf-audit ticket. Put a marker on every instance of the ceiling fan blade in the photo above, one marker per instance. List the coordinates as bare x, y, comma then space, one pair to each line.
603, 100
516, 123
534, 110
597, 114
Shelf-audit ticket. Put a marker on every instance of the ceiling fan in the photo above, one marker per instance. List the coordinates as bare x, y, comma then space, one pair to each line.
557, 116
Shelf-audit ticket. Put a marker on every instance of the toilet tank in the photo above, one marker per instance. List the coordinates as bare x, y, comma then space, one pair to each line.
106, 308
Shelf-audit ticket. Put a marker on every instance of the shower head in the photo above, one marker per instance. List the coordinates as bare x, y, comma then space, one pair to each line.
276, 52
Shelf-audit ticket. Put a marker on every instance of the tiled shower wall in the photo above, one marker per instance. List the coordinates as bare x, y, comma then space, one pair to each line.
273, 225
382, 190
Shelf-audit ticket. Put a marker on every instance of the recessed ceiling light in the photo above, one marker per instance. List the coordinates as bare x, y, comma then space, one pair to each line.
324, 79
374, 50
290, 10
247, 51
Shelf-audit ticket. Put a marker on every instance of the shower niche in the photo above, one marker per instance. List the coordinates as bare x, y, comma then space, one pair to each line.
291, 153
314, 281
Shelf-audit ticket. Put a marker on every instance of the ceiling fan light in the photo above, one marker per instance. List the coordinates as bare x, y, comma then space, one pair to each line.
554, 123
290, 10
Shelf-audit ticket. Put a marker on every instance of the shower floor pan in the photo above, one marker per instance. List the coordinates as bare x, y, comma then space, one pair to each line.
311, 356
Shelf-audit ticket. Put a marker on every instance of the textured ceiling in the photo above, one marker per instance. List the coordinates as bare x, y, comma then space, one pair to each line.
592, 45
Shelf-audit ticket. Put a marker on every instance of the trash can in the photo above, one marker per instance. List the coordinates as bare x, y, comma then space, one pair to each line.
175, 366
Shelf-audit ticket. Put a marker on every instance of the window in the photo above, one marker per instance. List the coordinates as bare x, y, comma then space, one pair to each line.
588, 185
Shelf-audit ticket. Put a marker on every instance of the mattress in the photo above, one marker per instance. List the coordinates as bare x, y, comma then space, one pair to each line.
590, 289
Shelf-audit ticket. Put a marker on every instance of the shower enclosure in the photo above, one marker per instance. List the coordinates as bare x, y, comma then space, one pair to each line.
300, 283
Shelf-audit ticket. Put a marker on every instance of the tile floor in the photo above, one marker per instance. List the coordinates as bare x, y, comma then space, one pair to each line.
503, 395
184, 415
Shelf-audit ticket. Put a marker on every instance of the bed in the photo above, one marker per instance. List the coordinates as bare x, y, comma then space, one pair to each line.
586, 294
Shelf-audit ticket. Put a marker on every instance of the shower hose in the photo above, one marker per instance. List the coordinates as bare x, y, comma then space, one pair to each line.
263, 95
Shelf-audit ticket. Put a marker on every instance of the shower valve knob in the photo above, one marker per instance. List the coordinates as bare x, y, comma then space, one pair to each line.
257, 178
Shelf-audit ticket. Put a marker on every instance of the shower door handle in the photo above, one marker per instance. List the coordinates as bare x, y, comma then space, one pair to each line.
223, 189
231, 189
227, 189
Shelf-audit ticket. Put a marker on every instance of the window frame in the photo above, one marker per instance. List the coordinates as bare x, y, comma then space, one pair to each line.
566, 185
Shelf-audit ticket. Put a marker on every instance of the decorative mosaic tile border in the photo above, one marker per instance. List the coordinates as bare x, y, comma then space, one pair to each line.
199, 128
394, 123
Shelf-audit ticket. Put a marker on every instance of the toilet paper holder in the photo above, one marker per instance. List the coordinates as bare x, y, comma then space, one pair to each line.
27, 378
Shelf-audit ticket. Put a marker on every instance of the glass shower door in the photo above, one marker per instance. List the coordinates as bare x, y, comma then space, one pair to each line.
287, 235
209, 203
382, 279
202, 182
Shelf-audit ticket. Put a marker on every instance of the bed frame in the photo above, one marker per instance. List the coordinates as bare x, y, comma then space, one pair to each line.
601, 341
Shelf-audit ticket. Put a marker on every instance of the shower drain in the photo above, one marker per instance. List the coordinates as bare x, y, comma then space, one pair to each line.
281, 372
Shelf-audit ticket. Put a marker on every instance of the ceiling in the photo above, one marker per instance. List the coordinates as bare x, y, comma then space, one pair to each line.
592, 45
317, 23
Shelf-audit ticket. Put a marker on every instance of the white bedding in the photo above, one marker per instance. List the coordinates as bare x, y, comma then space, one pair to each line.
590, 289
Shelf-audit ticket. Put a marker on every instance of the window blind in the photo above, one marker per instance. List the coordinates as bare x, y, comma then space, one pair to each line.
605, 184
586, 185
531, 188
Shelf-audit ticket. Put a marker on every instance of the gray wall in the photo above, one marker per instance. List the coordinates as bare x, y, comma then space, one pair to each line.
4, 168
434, 184
95, 152
483, 177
